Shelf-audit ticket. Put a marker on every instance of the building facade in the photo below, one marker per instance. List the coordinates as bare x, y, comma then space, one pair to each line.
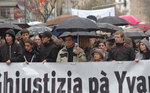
124, 6
7, 10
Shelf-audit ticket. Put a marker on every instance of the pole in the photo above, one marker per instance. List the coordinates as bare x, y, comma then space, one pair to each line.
25, 11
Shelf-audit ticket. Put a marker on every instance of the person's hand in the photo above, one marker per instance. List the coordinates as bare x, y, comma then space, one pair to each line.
136, 60
26, 62
44, 61
77, 51
8, 62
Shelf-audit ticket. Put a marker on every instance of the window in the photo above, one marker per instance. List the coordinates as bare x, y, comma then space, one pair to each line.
5, 12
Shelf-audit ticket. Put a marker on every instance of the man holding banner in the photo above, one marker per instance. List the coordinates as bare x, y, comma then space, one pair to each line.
10, 51
71, 52
121, 51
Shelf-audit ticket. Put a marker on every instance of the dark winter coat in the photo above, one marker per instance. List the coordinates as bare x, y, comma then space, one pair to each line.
121, 52
12, 52
49, 52
31, 56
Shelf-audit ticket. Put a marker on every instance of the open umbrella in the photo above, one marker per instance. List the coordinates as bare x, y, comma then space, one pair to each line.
77, 24
38, 29
131, 19
92, 17
135, 34
143, 27
113, 20
148, 32
5, 26
89, 34
106, 27
130, 34
59, 19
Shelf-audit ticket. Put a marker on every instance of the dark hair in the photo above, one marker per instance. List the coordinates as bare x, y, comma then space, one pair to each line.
24, 31
30, 42
47, 34
101, 41
120, 33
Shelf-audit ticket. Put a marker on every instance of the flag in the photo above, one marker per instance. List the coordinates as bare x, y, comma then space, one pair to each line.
42, 1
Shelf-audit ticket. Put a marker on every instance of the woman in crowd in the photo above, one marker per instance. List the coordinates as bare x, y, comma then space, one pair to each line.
29, 54
97, 55
144, 50
102, 45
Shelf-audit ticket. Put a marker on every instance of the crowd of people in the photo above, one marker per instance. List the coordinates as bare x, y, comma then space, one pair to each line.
42, 48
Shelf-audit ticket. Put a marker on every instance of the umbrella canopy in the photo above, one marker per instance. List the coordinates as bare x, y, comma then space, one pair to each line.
106, 27
148, 32
22, 25
92, 17
77, 24
113, 20
130, 34
5, 26
143, 27
89, 34
131, 19
38, 29
59, 19
36, 23
135, 34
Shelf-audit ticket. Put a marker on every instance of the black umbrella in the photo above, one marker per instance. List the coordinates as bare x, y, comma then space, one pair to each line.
89, 34
130, 34
106, 27
135, 34
4, 27
92, 17
147, 32
113, 20
77, 24
38, 29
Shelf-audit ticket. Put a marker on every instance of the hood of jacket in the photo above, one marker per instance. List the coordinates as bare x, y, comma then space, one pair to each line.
146, 42
11, 33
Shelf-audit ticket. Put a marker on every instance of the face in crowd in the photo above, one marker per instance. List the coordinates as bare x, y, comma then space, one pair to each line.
118, 38
97, 57
45, 39
143, 47
69, 42
38, 40
25, 36
102, 46
28, 47
8, 38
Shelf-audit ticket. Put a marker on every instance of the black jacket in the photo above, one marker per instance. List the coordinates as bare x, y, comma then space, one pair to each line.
13, 52
49, 52
121, 52
31, 56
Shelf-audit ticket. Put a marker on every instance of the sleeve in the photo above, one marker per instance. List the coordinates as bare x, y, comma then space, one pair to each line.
52, 55
19, 55
58, 57
132, 54
82, 56
0, 55
110, 55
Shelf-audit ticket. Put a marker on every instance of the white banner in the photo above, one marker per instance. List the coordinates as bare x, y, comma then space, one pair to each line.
87, 77
97, 13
